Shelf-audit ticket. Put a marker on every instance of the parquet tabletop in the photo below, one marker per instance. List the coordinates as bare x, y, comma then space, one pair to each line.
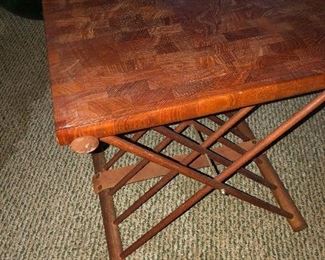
121, 65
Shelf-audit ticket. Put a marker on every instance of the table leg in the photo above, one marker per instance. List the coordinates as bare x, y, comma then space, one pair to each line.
112, 232
297, 222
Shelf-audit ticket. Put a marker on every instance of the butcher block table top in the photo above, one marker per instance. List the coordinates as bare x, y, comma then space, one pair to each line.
118, 66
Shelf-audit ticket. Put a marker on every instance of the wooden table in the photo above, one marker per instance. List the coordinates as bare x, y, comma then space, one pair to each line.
130, 66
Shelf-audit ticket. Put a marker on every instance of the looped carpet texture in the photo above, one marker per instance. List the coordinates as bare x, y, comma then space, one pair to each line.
49, 211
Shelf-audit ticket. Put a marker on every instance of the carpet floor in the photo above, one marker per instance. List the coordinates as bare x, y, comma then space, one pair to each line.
48, 209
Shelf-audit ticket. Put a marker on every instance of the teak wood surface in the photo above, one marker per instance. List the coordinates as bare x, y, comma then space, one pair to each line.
119, 66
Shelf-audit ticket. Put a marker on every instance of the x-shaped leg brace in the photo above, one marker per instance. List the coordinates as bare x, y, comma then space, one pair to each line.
235, 124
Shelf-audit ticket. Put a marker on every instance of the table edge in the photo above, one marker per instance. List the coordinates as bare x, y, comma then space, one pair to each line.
194, 109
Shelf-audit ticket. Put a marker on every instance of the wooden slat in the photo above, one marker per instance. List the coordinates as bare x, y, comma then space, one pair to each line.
120, 153
214, 156
162, 145
109, 178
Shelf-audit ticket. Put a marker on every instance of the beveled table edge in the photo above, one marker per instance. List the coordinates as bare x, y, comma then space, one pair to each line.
194, 109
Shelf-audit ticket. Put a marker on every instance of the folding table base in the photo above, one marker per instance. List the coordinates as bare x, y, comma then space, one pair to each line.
234, 157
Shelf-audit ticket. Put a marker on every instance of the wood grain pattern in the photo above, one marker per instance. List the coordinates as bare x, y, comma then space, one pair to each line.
121, 65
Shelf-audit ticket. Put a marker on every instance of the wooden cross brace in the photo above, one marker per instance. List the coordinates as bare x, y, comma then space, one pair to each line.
234, 157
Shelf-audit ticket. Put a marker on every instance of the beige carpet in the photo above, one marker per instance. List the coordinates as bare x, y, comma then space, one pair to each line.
48, 209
